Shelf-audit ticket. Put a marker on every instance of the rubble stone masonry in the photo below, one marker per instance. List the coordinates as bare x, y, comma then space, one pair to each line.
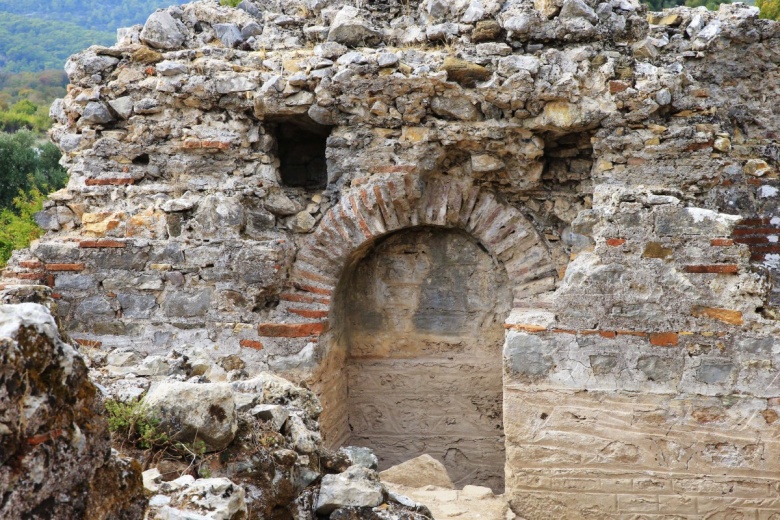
597, 183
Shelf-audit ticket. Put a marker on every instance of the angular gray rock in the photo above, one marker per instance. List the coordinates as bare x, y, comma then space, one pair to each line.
455, 108
96, 112
228, 33
161, 31
350, 29
356, 487
123, 106
361, 456
578, 9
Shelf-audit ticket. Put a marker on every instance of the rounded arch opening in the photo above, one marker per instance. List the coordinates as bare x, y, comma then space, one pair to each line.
414, 353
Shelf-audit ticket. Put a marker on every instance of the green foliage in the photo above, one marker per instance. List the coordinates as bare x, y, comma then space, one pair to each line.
28, 171
712, 5
660, 5
136, 424
25, 99
99, 15
30, 44
231, 3
769, 9
25, 114
25, 164
17, 227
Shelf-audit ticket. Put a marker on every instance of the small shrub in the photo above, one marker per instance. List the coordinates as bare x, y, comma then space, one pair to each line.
136, 424
230, 3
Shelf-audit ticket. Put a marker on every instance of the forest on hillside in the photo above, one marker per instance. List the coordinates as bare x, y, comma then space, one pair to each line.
97, 15
31, 44
41, 35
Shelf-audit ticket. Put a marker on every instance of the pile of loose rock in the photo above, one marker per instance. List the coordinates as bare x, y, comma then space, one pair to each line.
249, 448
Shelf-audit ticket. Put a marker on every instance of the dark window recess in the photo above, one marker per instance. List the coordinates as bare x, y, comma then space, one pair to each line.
142, 159
301, 149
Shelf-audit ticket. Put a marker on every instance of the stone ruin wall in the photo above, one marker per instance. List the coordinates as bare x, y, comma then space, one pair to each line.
617, 169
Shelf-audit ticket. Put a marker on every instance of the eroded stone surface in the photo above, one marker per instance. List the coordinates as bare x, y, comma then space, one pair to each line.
55, 455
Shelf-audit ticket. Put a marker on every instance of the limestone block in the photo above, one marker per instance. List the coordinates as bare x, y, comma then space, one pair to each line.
460, 108
187, 304
484, 163
356, 487
548, 8
274, 414
302, 438
464, 72
578, 9
512, 64
219, 215
53, 426
213, 498
279, 204
527, 356
228, 33
123, 106
361, 456
162, 32
673, 221
193, 412
349, 29
418, 472
96, 112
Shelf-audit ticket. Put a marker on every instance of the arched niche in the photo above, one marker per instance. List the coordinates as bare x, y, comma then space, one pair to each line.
419, 317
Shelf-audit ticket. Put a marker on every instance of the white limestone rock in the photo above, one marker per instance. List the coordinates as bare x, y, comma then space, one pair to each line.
356, 487
360, 456
162, 32
190, 412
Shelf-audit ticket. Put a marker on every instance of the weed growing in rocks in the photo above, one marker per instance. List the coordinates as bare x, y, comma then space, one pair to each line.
136, 424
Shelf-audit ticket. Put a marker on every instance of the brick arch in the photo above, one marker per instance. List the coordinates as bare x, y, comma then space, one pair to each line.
381, 206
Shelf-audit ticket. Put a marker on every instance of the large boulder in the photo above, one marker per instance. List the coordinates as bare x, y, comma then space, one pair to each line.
55, 452
192, 412
418, 472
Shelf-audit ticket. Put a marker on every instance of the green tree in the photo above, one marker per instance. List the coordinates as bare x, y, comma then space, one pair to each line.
18, 161
26, 165
17, 227
28, 171
769, 9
